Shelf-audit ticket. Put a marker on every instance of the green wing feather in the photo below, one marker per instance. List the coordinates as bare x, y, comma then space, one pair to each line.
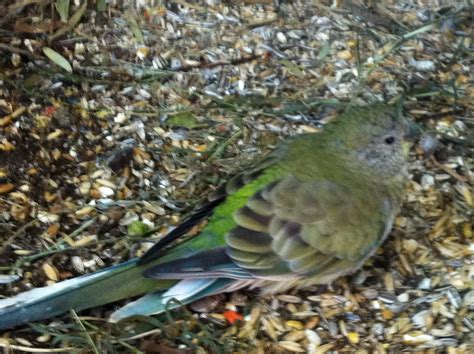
299, 229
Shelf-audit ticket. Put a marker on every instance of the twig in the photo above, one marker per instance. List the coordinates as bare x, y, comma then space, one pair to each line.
221, 148
25, 349
17, 233
84, 330
144, 334
73, 21
82, 227
102, 333
9, 48
261, 23
218, 63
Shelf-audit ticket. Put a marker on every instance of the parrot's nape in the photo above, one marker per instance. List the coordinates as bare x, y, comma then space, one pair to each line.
313, 210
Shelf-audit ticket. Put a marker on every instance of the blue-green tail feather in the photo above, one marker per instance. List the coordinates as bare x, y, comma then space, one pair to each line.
108, 285
184, 293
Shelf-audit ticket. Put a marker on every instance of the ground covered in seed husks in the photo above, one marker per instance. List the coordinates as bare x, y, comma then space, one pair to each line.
118, 121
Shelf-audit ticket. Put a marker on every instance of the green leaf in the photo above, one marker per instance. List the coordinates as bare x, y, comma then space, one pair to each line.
58, 59
137, 228
101, 5
184, 119
293, 68
135, 28
427, 28
323, 53
62, 6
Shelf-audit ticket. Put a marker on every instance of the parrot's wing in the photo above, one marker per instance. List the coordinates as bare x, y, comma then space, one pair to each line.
318, 229
315, 230
206, 208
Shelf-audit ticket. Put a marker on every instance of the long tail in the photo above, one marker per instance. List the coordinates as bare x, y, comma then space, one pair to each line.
105, 286
108, 285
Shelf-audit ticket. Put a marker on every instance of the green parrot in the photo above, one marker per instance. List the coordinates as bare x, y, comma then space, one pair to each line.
311, 211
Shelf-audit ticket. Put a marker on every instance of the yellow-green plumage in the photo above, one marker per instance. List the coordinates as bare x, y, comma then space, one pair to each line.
311, 211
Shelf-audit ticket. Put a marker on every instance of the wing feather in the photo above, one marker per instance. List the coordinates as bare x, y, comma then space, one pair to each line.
315, 229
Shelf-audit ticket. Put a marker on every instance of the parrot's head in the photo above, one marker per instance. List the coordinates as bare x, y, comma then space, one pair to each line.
374, 138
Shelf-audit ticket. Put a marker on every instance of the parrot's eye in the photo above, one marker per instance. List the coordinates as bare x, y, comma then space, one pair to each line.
389, 140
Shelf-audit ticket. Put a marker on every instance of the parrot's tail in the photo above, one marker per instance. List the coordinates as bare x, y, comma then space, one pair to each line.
109, 285
95, 289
